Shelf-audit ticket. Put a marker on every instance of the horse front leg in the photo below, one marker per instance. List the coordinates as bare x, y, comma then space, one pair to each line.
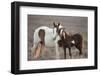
70, 52
57, 52
64, 52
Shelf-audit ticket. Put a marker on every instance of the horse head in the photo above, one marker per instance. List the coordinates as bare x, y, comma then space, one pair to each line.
57, 28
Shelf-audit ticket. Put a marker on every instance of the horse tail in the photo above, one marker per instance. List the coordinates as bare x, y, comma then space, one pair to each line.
41, 34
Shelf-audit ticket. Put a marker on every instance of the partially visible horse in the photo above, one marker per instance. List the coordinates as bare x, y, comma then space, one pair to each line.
45, 37
69, 40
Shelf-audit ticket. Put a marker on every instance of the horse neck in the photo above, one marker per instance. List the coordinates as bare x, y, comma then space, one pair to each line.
54, 33
66, 36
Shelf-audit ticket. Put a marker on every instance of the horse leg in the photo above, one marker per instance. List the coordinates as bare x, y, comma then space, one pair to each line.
80, 49
38, 51
70, 52
64, 52
57, 52
33, 50
81, 46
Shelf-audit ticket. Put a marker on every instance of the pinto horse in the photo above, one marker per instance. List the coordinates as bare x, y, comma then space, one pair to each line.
45, 37
69, 40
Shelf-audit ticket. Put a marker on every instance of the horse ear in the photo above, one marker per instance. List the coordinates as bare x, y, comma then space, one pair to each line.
59, 23
54, 24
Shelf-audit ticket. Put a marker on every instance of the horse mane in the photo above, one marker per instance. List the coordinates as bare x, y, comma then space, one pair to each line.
67, 35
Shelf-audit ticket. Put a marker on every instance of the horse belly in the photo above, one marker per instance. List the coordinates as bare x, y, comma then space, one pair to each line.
49, 42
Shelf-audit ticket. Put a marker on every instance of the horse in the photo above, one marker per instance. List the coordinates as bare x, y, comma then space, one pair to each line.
69, 40
45, 37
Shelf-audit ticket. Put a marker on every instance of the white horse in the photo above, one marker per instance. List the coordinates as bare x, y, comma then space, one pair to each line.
46, 37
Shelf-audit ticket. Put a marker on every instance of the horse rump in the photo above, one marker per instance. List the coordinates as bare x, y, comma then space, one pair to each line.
78, 42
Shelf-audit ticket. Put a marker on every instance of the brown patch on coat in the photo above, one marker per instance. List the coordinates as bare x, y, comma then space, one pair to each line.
41, 34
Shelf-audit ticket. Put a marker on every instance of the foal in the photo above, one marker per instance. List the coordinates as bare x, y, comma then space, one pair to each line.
68, 41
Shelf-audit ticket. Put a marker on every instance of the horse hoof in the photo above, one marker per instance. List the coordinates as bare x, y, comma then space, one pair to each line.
80, 56
70, 57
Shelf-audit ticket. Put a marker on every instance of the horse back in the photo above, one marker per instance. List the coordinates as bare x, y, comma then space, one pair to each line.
77, 38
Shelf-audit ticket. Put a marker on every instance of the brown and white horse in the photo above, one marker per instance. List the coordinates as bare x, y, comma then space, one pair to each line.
69, 40
45, 37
